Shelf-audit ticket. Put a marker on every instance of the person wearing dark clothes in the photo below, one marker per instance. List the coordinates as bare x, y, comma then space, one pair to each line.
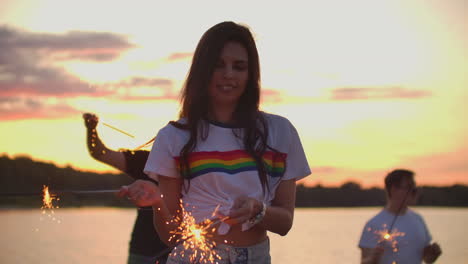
145, 244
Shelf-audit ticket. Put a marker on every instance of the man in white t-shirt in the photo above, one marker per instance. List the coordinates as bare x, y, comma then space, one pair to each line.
398, 234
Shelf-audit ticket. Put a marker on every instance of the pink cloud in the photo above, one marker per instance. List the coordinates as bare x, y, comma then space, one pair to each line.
21, 108
97, 46
377, 93
180, 56
27, 60
443, 168
51, 88
270, 95
170, 97
143, 81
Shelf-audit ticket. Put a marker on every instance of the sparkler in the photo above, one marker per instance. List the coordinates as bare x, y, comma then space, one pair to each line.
48, 199
119, 130
385, 235
194, 238
53, 196
22, 194
388, 236
47, 203
87, 191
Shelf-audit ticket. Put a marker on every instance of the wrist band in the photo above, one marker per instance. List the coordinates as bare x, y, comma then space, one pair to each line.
258, 217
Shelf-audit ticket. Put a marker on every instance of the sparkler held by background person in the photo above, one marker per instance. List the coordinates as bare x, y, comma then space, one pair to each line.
224, 153
398, 234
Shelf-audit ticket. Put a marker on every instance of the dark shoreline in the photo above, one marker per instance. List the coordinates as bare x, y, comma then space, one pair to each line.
23, 175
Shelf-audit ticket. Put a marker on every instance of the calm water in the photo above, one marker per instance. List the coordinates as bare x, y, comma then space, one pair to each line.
100, 235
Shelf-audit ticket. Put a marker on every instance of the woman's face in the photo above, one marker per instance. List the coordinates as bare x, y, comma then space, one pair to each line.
230, 76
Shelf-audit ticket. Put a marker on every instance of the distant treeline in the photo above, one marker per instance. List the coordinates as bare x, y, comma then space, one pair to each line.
351, 194
23, 179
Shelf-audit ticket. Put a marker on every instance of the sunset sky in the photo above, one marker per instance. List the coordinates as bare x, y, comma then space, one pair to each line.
371, 85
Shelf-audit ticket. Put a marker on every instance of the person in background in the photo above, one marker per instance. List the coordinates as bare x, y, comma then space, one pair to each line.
145, 243
224, 155
409, 241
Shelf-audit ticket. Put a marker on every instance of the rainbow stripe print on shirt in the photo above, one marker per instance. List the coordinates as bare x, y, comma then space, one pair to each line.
233, 162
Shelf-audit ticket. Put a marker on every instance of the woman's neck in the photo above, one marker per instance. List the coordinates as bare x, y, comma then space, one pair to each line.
223, 115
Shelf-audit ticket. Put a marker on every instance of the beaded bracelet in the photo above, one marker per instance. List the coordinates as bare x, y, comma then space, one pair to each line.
258, 217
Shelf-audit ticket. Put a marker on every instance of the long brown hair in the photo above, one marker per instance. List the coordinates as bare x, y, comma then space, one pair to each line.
195, 97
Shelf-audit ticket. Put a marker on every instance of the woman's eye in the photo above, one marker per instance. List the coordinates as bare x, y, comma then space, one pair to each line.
240, 67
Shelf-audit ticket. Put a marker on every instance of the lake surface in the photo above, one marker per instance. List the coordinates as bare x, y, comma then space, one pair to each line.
101, 235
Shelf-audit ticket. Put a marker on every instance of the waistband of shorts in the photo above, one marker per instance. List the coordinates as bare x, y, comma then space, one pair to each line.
262, 244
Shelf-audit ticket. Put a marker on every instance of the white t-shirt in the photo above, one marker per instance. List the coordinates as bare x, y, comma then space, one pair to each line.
221, 168
409, 236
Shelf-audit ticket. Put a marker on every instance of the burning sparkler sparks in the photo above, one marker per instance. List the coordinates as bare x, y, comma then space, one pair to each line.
196, 239
388, 236
47, 198
47, 203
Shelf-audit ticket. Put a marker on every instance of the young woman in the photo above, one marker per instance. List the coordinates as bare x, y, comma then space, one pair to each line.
224, 155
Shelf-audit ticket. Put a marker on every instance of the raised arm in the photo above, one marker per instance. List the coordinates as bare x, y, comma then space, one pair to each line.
97, 149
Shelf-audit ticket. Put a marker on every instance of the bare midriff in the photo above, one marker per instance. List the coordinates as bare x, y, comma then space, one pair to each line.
238, 238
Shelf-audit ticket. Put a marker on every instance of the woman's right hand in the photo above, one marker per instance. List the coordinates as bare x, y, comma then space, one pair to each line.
243, 209
91, 120
141, 193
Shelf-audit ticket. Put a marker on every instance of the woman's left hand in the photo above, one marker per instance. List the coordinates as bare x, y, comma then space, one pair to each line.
243, 209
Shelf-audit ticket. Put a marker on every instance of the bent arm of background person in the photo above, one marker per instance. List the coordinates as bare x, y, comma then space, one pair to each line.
371, 255
280, 214
97, 149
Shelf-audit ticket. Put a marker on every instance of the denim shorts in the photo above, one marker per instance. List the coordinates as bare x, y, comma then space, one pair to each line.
256, 254
140, 259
